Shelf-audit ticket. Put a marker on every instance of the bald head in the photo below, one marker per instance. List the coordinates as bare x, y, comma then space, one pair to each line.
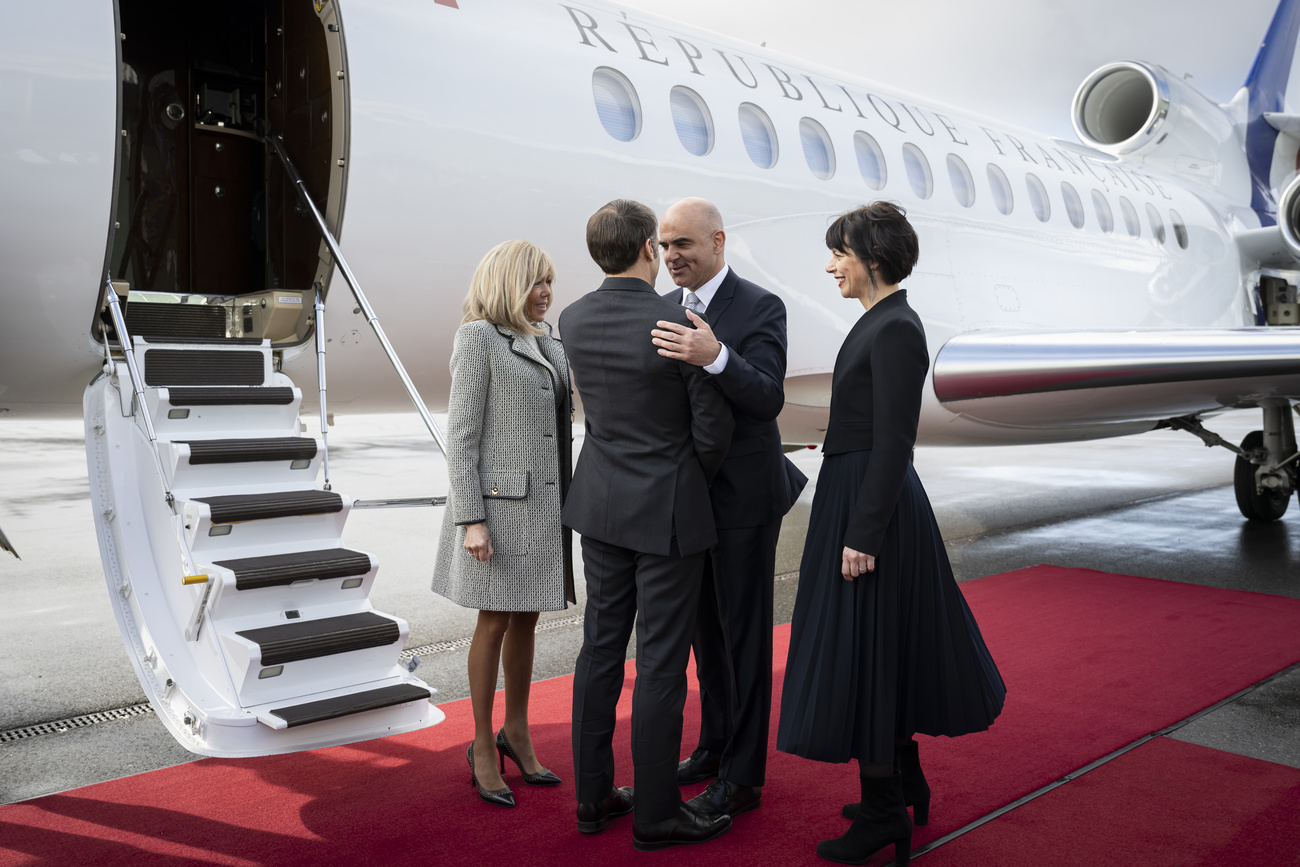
693, 241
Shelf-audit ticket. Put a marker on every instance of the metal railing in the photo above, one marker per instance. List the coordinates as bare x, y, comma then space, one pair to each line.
189, 574
277, 145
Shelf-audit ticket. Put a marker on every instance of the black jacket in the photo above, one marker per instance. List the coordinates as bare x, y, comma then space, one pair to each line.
656, 429
757, 483
876, 405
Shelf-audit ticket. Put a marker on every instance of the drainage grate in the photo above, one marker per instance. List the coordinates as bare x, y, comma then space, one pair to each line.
76, 722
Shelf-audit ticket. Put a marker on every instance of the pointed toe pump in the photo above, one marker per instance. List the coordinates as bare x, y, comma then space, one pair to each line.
504, 750
500, 797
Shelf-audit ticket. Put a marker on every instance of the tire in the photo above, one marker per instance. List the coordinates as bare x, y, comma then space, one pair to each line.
1266, 506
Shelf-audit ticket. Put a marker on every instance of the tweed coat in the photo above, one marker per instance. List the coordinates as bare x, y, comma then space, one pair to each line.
509, 437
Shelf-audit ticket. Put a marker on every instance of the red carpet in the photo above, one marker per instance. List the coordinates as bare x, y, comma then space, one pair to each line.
1165, 804
1092, 662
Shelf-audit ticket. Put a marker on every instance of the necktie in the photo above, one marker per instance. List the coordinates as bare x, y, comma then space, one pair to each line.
694, 304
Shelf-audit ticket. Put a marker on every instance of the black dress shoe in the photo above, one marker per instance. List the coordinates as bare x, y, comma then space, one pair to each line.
700, 766
592, 818
688, 826
727, 799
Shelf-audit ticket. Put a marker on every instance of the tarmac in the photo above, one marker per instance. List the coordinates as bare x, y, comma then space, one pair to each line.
1159, 505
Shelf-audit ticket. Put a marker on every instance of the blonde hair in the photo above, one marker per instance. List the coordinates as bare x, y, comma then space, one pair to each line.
501, 285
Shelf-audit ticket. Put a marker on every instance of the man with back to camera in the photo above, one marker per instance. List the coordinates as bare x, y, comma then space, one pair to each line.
656, 433
737, 335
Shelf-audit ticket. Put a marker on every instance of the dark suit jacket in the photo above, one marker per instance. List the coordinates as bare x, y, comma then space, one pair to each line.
757, 483
876, 405
657, 430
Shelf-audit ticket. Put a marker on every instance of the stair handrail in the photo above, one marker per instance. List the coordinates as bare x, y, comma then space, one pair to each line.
320, 381
138, 402
137, 385
278, 145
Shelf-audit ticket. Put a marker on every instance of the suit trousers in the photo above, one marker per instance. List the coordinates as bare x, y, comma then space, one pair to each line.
733, 651
660, 595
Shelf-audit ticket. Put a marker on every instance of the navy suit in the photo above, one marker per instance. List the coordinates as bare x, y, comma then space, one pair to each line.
752, 491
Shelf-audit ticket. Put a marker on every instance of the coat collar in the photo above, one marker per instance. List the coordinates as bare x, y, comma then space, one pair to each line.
547, 346
625, 284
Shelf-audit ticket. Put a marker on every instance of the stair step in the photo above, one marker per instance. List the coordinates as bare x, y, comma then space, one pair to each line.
203, 340
233, 508
234, 451
277, 570
309, 639
204, 367
235, 396
344, 705
173, 323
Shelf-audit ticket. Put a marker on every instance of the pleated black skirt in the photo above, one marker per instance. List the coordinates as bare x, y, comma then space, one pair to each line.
894, 652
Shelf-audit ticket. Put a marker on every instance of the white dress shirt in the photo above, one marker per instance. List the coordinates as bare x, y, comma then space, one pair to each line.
705, 293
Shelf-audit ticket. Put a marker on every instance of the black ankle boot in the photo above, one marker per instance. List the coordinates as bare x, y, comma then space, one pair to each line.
881, 819
916, 791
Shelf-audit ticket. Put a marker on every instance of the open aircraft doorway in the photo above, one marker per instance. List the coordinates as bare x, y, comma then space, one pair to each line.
248, 623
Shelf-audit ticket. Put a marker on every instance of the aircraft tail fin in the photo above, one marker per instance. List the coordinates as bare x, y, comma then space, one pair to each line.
1273, 88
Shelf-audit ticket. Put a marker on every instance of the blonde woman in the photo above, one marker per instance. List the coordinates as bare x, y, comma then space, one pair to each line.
502, 549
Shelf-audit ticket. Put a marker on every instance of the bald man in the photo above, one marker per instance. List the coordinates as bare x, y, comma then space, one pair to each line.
739, 339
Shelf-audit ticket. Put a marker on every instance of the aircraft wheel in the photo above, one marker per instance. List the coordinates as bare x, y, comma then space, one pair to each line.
1266, 506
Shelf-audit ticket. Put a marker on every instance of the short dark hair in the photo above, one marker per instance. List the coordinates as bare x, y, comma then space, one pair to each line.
878, 232
617, 232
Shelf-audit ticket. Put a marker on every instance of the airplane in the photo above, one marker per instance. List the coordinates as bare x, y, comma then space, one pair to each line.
175, 231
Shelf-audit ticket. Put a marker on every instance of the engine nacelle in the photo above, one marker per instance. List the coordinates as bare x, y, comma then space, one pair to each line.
1288, 217
1144, 113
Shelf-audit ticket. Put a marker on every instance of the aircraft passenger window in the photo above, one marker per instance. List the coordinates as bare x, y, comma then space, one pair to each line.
963, 185
1038, 198
1180, 228
1130, 217
1157, 224
692, 119
871, 160
918, 171
817, 148
1105, 217
758, 134
1073, 205
1001, 189
616, 103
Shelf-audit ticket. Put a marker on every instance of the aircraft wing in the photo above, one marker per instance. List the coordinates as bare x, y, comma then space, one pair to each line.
6, 545
1072, 379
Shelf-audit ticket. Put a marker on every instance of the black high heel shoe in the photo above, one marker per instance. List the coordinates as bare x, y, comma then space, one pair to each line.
500, 797
541, 778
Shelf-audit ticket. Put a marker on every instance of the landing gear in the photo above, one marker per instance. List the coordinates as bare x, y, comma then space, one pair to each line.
1257, 502
1268, 464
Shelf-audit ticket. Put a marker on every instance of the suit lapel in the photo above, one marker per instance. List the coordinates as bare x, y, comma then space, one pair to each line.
721, 299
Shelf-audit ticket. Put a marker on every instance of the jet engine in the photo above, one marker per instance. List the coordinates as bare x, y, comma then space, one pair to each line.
1288, 217
1144, 113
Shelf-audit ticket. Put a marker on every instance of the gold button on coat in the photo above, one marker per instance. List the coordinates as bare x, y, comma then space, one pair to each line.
494, 490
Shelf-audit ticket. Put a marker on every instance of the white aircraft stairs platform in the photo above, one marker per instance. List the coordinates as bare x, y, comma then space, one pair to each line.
246, 617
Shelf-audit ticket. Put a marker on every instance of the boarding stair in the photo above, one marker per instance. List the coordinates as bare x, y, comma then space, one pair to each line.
247, 618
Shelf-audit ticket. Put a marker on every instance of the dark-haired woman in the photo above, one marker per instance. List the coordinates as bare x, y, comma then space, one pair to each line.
882, 644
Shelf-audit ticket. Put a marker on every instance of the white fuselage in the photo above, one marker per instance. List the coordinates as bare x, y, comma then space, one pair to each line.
477, 124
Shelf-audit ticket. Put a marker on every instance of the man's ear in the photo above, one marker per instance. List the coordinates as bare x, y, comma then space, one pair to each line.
719, 240
650, 250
